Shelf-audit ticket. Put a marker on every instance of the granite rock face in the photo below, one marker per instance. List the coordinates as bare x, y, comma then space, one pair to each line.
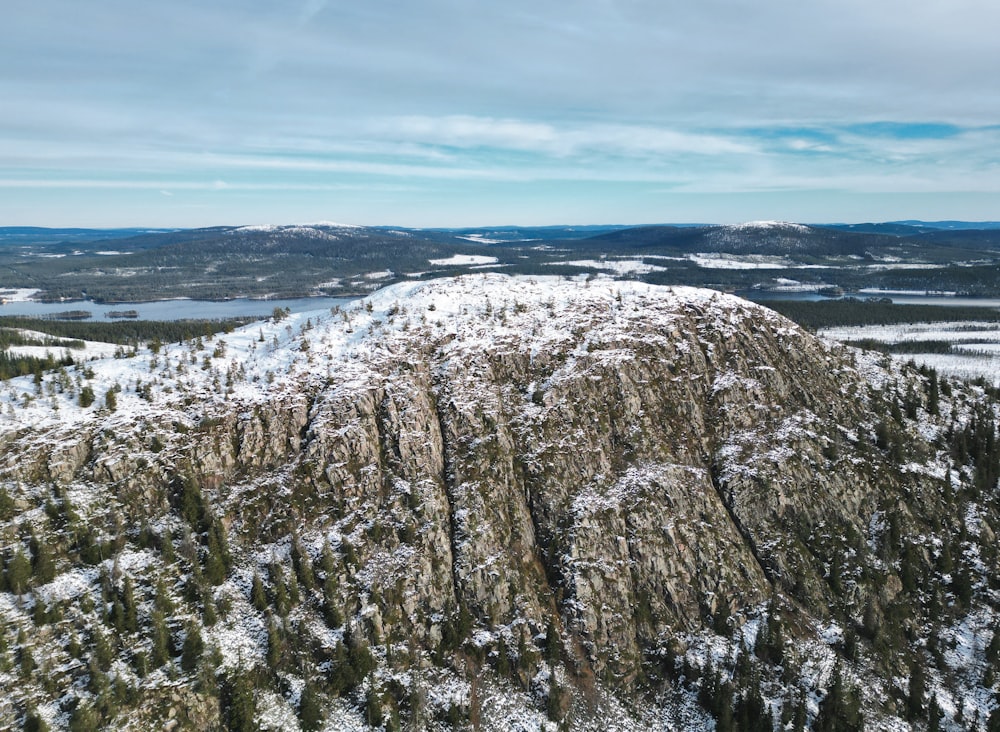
470, 466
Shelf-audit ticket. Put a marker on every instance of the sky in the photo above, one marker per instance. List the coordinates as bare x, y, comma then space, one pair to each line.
464, 113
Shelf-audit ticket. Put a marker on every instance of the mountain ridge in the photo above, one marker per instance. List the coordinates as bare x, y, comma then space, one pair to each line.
552, 496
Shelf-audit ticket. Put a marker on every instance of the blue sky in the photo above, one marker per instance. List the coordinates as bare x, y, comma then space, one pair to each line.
458, 113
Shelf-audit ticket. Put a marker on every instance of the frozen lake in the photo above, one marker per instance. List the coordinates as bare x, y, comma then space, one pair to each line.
175, 309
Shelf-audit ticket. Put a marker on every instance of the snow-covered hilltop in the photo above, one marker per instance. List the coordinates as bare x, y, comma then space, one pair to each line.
502, 503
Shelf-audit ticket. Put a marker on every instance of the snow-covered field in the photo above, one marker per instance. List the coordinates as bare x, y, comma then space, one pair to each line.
20, 294
459, 260
713, 260
618, 266
975, 346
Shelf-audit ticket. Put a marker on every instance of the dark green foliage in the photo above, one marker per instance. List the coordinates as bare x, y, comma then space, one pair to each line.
218, 560
327, 561
770, 644
332, 613
555, 703
13, 365
993, 649
840, 710
87, 396
993, 723
127, 333
275, 646
303, 566
352, 662
208, 615
799, 715
6, 505
828, 313
43, 567
310, 709
503, 659
167, 546
160, 640
26, 661
33, 722
280, 597
934, 715
192, 649
85, 718
237, 700
103, 655
258, 598
130, 619
18, 572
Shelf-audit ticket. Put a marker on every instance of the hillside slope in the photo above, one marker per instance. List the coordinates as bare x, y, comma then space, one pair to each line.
500, 502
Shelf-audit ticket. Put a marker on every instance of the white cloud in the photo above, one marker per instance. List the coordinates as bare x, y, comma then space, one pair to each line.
318, 96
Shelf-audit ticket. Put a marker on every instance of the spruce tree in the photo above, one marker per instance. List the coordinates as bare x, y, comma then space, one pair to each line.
43, 566
917, 687
257, 596
238, 703
160, 640
18, 572
310, 711
192, 648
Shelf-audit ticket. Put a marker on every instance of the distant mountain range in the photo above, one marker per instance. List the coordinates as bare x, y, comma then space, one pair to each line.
335, 259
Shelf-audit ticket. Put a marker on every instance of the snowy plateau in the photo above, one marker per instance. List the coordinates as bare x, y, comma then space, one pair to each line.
501, 503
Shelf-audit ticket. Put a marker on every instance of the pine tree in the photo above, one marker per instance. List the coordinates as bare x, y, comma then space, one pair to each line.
310, 711
43, 565
192, 648
275, 646
18, 572
327, 561
840, 710
167, 546
238, 703
130, 613
160, 640
302, 565
102, 650
34, 722
257, 596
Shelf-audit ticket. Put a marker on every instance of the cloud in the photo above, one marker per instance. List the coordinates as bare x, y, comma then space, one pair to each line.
720, 94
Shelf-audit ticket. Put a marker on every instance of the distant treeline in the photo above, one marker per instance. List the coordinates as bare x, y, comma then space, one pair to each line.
814, 315
131, 332
16, 338
11, 366
902, 347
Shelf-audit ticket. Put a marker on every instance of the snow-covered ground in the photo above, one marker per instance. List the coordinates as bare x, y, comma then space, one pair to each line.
975, 346
20, 294
618, 266
459, 260
715, 260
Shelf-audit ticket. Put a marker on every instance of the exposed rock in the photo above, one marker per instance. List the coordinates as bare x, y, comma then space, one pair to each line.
623, 465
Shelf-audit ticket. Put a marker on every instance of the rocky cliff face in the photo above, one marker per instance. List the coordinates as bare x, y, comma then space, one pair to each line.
489, 499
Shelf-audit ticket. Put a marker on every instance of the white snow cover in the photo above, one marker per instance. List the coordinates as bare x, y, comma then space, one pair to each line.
758, 225
186, 374
458, 260
715, 260
19, 294
975, 345
618, 266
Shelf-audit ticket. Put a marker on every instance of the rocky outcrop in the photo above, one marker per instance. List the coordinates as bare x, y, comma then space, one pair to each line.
615, 463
